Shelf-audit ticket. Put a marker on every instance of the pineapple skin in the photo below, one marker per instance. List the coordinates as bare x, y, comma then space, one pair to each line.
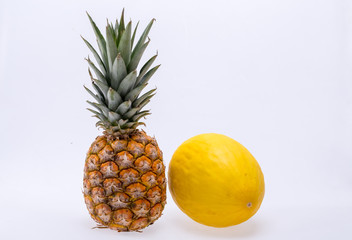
124, 182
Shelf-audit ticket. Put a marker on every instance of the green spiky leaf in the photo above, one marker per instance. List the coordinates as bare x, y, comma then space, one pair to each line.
96, 97
116, 28
132, 95
93, 111
118, 72
100, 40
98, 91
125, 44
98, 74
143, 37
127, 83
136, 57
96, 56
140, 115
143, 98
121, 122
114, 99
124, 107
134, 34
146, 67
100, 107
102, 86
147, 76
144, 102
113, 117
131, 113
121, 27
110, 45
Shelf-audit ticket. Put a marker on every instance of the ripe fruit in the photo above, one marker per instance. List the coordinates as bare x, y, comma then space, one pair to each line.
124, 182
215, 180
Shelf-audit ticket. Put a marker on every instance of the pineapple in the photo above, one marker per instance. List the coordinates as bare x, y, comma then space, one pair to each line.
124, 183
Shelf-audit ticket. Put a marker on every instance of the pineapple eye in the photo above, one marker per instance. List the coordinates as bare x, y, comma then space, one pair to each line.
249, 204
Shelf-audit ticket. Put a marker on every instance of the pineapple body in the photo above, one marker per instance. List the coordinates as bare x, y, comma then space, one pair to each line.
124, 181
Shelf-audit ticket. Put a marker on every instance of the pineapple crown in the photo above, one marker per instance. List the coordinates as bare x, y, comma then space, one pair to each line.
117, 83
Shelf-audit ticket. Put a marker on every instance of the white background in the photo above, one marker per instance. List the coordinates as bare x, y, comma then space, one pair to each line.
274, 75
